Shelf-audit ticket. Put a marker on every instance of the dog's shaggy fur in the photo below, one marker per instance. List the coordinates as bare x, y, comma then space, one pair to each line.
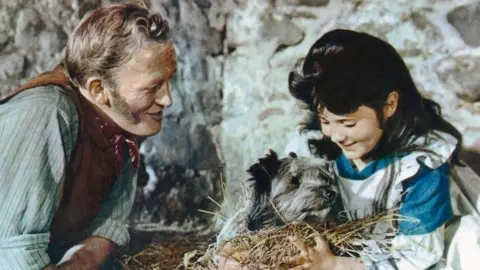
292, 189
285, 190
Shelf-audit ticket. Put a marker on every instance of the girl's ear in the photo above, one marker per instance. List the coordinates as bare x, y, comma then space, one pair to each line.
391, 104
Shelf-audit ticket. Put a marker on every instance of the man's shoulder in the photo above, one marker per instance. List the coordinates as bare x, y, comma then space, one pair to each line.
38, 105
50, 97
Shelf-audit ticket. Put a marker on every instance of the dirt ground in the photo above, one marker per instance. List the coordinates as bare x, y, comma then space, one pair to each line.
159, 251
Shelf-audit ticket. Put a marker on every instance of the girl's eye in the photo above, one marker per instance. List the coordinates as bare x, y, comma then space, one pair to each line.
324, 123
349, 125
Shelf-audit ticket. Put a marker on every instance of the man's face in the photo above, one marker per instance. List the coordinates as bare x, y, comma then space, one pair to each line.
355, 133
143, 90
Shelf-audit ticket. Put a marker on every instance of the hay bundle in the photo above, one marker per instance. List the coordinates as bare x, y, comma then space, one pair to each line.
271, 246
165, 252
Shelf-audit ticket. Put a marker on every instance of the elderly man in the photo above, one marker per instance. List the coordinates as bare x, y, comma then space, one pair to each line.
68, 153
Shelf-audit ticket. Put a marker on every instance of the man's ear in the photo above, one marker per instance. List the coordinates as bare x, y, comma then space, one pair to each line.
390, 104
96, 90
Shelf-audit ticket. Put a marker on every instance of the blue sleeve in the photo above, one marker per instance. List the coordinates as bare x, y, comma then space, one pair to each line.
427, 199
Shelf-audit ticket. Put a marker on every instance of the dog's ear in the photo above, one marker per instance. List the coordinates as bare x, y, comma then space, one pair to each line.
270, 163
324, 148
264, 171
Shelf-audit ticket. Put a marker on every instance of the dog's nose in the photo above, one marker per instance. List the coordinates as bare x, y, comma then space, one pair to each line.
330, 194
325, 192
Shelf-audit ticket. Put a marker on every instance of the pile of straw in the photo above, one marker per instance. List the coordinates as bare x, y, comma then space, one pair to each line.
271, 246
165, 252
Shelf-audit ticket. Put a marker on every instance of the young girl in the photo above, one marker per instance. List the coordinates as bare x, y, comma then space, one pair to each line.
393, 148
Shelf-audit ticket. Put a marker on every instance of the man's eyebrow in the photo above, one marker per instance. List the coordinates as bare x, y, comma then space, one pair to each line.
155, 83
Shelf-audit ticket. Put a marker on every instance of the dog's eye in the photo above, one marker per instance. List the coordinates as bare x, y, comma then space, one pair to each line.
296, 181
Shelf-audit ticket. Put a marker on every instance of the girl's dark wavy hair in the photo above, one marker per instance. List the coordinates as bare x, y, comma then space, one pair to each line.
344, 70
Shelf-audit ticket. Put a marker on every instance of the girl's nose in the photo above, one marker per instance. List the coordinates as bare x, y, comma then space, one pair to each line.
338, 137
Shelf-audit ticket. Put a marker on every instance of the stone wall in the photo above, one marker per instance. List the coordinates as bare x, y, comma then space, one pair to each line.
231, 101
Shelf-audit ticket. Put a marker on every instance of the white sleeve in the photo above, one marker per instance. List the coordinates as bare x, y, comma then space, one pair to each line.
409, 252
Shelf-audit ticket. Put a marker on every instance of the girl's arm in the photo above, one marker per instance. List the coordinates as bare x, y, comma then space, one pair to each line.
406, 252
417, 251
419, 244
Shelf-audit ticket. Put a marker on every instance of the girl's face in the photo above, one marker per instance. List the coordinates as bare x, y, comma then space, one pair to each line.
355, 133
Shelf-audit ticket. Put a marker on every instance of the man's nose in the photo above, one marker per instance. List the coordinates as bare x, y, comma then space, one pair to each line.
165, 98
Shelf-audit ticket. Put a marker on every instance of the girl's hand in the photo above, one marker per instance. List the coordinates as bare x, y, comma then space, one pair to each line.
228, 259
314, 258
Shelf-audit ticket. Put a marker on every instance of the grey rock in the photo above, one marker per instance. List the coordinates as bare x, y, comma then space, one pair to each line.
269, 112
309, 3
52, 41
180, 193
11, 66
466, 19
460, 75
5, 27
29, 25
87, 5
3, 40
423, 23
285, 31
183, 143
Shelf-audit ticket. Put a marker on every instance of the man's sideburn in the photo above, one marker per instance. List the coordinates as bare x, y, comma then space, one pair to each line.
121, 107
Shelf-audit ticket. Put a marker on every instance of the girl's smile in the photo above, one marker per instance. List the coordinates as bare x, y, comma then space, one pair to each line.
356, 133
348, 146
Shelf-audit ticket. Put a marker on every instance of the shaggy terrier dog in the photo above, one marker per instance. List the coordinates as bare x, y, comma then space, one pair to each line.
285, 190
